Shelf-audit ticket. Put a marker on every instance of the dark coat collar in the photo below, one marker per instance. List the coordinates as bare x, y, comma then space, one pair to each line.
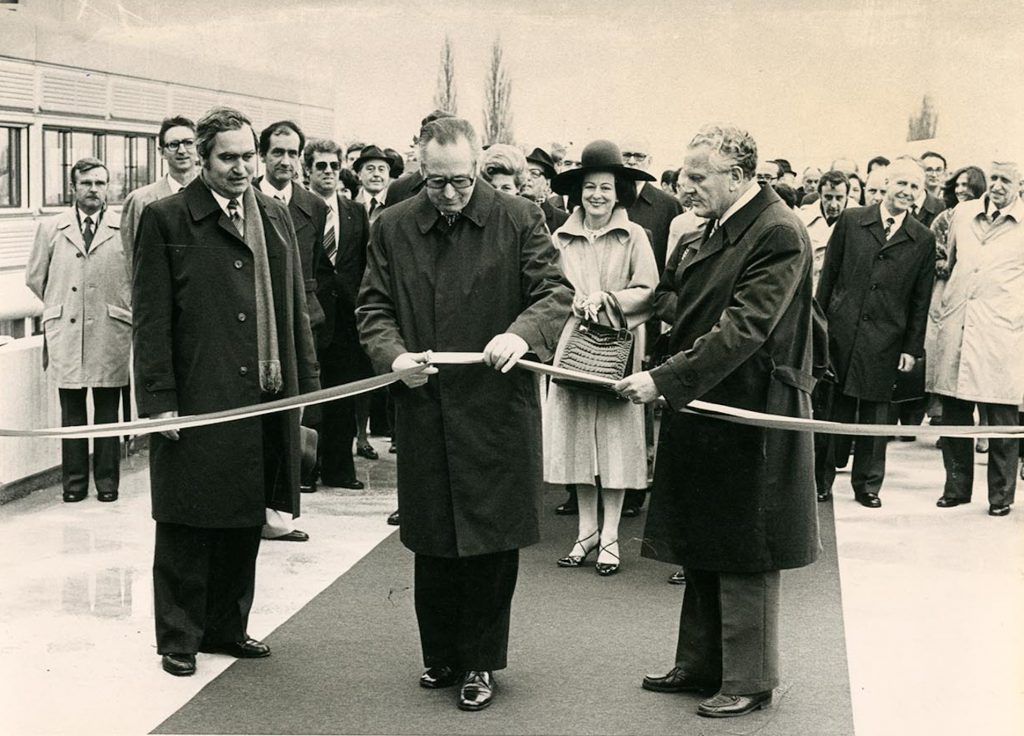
476, 210
871, 218
736, 225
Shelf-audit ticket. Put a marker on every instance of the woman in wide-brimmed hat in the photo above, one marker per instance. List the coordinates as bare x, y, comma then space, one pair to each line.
594, 441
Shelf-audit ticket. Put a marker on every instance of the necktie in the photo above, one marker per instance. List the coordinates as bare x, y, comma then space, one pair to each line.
914, 210
995, 216
236, 217
449, 219
87, 233
373, 205
709, 230
889, 222
280, 198
330, 242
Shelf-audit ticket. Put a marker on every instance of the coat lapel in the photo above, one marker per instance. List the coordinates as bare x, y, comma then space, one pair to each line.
69, 226
106, 231
871, 219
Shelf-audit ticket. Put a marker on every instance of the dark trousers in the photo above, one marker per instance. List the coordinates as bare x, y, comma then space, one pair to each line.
203, 585
106, 450
958, 452
729, 630
463, 607
338, 422
868, 452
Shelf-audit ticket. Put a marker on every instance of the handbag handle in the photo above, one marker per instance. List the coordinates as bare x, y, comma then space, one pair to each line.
618, 310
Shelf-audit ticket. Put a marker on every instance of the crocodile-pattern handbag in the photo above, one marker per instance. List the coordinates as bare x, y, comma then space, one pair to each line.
599, 350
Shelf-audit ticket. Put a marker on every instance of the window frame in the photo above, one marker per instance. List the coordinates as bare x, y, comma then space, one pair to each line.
18, 138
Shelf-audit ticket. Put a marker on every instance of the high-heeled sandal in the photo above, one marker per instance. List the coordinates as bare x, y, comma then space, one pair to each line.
572, 560
608, 568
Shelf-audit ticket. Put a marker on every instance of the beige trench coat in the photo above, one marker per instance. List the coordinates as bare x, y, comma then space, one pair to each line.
979, 323
87, 314
586, 435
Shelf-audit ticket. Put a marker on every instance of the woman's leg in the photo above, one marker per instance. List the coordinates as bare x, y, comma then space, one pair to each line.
587, 537
611, 499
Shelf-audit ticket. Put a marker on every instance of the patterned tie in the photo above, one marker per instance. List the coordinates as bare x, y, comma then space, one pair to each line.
995, 216
914, 210
889, 222
330, 242
450, 219
88, 232
236, 217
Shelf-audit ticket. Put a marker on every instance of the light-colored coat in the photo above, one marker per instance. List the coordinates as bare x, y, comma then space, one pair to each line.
131, 212
587, 435
979, 324
87, 314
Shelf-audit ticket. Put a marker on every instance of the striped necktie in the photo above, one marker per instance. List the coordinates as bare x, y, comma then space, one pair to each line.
889, 222
236, 217
330, 242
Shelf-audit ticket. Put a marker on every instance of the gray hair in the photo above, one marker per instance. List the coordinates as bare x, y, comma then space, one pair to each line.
906, 161
735, 146
217, 120
502, 158
445, 131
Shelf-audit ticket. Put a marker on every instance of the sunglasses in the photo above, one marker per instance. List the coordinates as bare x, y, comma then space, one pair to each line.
323, 165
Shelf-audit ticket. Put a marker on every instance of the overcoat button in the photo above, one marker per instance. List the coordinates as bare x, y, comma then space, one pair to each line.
238, 264
243, 370
241, 316
72, 320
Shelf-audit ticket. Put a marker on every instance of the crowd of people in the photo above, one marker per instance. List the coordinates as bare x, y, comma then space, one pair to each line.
874, 300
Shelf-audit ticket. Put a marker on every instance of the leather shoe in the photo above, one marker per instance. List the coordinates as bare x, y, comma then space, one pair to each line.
106, 496
629, 512
948, 503
435, 678
74, 497
247, 649
567, 509
308, 488
367, 451
998, 509
729, 706
179, 665
676, 681
393, 519
477, 690
824, 496
351, 484
868, 499
678, 578
295, 535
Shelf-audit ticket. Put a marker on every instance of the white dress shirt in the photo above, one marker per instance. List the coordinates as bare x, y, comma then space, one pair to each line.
271, 191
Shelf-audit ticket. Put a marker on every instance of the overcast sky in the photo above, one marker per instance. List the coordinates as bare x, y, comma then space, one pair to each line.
810, 79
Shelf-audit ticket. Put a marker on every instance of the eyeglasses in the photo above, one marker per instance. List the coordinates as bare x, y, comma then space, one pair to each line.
440, 182
634, 154
323, 165
934, 169
535, 173
766, 178
187, 143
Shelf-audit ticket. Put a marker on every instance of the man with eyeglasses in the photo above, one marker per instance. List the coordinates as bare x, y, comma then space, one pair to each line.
540, 170
458, 268
177, 141
767, 172
934, 172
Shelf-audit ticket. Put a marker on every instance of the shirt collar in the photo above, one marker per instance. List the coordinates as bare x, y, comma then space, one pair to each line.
173, 184
919, 202
748, 194
886, 214
95, 217
223, 202
574, 225
1015, 210
271, 191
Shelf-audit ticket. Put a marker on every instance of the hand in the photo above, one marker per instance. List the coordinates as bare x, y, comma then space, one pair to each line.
504, 351
907, 363
638, 388
171, 434
411, 360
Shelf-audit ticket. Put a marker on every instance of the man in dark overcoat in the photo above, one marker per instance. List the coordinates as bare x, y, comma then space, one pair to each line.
462, 267
732, 504
875, 287
220, 322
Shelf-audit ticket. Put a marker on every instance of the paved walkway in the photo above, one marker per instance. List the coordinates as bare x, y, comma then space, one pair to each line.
933, 603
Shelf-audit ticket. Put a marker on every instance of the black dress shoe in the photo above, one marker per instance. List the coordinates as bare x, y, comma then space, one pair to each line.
295, 535
678, 578
868, 499
676, 681
435, 678
106, 496
729, 706
75, 496
393, 519
569, 508
246, 649
351, 484
367, 451
477, 690
948, 503
998, 509
179, 665
629, 512
308, 488
824, 496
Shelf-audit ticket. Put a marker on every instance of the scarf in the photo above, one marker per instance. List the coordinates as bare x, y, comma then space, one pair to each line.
271, 379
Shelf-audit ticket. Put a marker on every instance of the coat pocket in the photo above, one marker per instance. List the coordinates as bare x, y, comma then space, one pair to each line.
52, 312
120, 314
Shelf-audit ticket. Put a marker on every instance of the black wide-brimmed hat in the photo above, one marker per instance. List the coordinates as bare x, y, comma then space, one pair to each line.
599, 155
369, 153
541, 158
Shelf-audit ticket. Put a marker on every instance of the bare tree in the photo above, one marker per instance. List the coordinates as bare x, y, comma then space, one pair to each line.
922, 124
445, 97
497, 100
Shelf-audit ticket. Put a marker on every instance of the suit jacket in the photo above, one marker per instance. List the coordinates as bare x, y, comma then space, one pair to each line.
337, 292
196, 351
309, 217
404, 187
875, 294
930, 209
131, 212
729, 497
554, 217
654, 210
86, 295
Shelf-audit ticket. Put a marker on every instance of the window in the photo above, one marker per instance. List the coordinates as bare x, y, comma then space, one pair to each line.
130, 158
10, 166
